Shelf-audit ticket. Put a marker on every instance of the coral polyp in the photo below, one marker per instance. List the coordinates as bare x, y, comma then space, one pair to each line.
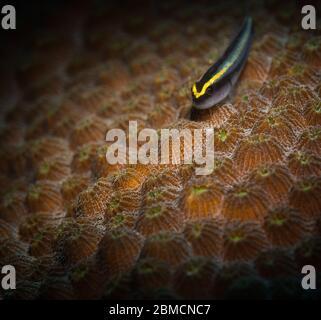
171, 248
274, 180
157, 218
243, 240
304, 196
205, 236
77, 240
93, 200
285, 226
151, 275
258, 150
118, 251
90, 129
202, 199
245, 201
195, 272
44, 196
276, 263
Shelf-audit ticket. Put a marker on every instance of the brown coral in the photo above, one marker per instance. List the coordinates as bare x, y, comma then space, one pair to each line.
169, 247
205, 236
304, 164
305, 196
285, 226
90, 129
151, 275
93, 200
258, 150
159, 217
77, 240
44, 196
276, 263
243, 240
274, 180
197, 272
118, 251
53, 169
202, 198
245, 201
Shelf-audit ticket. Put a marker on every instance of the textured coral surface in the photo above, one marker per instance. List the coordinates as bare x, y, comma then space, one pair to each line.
76, 227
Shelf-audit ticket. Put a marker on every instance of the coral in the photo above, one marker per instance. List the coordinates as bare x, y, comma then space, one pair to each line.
123, 201
312, 113
276, 262
297, 95
44, 196
6, 230
304, 196
10, 248
257, 68
118, 251
90, 129
121, 220
37, 223
245, 201
282, 123
243, 240
282, 61
311, 52
83, 158
304, 164
72, 186
12, 207
310, 140
77, 240
303, 73
286, 226
215, 116
159, 217
224, 172
274, 180
202, 198
164, 186
42, 148
165, 246
100, 166
197, 272
53, 169
91, 99
270, 44
258, 150
42, 243
205, 236
228, 275
226, 139
252, 101
130, 178
93, 200
308, 252
57, 288
150, 275
86, 280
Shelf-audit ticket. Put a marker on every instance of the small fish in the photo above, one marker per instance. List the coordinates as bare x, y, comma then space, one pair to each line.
218, 81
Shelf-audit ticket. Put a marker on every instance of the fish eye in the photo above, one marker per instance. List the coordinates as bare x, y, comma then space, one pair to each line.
209, 90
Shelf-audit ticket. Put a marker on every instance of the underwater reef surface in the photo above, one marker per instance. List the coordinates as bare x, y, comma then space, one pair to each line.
76, 227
